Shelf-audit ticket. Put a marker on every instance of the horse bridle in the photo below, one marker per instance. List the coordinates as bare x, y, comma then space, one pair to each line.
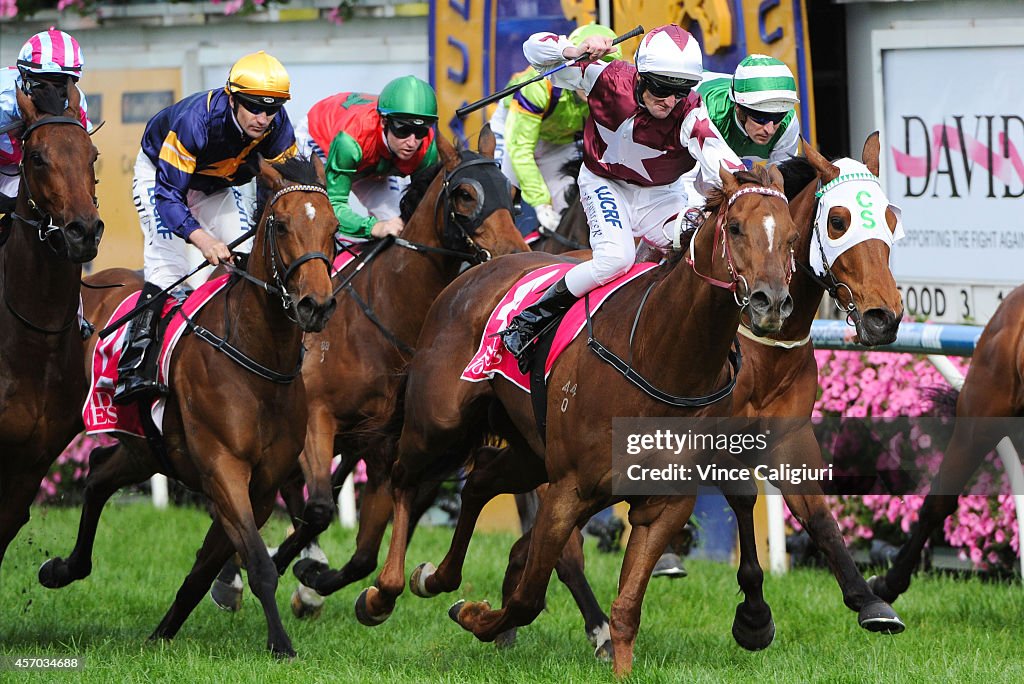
281, 272
743, 300
44, 225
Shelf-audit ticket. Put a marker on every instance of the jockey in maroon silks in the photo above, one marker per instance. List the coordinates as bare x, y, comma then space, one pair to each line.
647, 127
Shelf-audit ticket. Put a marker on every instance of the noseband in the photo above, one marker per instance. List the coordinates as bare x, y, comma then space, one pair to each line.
743, 300
44, 225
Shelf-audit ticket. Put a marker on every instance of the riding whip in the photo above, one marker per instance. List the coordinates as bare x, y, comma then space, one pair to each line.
142, 306
470, 108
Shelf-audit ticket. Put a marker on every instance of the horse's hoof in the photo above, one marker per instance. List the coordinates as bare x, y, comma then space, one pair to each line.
363, 612
753, 637
54, 574
306, 603
308, 571
287, 653
601, 639
506, 639
418, 580
227, 596
880, 617
455, 609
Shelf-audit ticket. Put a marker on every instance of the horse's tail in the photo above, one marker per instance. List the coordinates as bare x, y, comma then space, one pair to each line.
942, 399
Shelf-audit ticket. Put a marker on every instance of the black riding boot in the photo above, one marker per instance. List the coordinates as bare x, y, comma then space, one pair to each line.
534, 320
136, 372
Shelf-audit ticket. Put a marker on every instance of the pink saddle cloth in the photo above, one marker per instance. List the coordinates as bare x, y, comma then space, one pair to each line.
100, 413
492, 358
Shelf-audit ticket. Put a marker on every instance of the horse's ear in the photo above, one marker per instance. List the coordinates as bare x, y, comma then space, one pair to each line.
27, 107
318, 164
776, 178
870, 154
729, 183
74, 99
446, 150
486, 143
827, 171
269, 175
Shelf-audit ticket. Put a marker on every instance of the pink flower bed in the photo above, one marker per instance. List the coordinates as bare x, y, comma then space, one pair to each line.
881, 384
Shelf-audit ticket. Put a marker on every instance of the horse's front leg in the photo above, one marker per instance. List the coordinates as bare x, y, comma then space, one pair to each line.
753, 627
18, 488
110, 468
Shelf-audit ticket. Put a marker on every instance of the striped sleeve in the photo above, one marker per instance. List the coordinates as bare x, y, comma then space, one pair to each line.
175, 166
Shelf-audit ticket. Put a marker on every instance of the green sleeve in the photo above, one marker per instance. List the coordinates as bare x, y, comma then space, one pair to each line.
522, 131
342, 162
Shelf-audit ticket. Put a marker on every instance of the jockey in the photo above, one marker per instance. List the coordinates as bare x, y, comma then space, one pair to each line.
194, 182
541, 131
44, 65
372, 143
646, 129
754, 109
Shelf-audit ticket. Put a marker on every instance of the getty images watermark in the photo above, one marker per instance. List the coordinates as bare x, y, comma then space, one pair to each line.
897, 456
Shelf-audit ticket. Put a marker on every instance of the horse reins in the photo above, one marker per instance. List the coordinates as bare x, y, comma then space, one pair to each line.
278, 289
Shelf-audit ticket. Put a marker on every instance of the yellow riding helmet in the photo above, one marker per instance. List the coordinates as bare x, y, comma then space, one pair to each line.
259, 77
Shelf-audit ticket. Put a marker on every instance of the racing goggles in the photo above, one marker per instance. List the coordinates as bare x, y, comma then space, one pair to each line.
660, 89
764, 118
257, 107
403, 129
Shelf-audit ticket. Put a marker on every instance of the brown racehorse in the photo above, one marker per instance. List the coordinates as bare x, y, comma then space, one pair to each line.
778, 379
993, 388
56, 228
234, 422
443, 416
461, 215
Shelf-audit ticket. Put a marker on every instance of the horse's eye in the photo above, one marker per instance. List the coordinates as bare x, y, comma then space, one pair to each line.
837, 224
36, 158
735, 228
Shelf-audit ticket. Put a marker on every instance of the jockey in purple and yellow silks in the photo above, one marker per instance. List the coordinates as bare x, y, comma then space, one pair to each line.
372, 143
194, 182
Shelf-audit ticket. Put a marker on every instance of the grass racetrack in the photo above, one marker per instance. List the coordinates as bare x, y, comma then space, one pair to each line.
957, 630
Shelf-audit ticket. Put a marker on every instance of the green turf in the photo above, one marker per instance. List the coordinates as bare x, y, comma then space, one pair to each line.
957, 630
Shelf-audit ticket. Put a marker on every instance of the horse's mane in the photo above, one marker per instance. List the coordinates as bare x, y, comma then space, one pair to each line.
296, 169
796, 172
757, 175
49, 98
418, 184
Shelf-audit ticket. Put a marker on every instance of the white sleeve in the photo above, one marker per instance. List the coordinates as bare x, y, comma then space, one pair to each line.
544, 52
788, 143
706, 145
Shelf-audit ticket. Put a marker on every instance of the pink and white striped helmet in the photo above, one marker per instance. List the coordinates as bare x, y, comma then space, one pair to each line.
51, 52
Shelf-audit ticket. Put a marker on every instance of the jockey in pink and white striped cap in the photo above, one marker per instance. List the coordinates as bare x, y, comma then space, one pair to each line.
51, 53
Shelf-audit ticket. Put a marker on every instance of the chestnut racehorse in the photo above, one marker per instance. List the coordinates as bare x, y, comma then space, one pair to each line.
778, 379
444, 416
993, 388
55, 229
235, 420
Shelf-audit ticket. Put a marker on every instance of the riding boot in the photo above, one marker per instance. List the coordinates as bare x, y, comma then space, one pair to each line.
534, 320
136, 372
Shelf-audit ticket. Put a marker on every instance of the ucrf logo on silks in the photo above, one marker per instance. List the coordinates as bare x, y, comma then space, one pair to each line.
607, 206
858, 191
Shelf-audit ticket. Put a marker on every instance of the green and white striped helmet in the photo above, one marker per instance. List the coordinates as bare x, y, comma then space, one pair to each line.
765, 84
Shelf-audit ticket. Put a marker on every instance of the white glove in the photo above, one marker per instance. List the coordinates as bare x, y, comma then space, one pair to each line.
547, 217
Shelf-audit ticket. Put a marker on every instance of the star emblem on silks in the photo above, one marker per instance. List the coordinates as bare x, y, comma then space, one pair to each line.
622, 149
702, 130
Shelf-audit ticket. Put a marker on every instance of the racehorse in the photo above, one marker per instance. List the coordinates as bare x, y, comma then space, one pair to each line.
443, 417
778, 379
456, 214
993, 388
55, 229
233, 424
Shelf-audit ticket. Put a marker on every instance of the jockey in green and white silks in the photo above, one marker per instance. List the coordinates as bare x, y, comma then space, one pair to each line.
541, 130
754, 110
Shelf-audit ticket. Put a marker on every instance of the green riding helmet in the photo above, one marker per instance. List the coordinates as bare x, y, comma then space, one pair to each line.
410, 99
588, 30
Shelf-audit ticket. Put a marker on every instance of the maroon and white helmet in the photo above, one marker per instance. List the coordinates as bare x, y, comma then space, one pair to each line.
51, 53
671, 56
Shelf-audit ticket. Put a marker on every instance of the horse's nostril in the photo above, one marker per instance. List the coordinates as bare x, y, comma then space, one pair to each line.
759, 301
